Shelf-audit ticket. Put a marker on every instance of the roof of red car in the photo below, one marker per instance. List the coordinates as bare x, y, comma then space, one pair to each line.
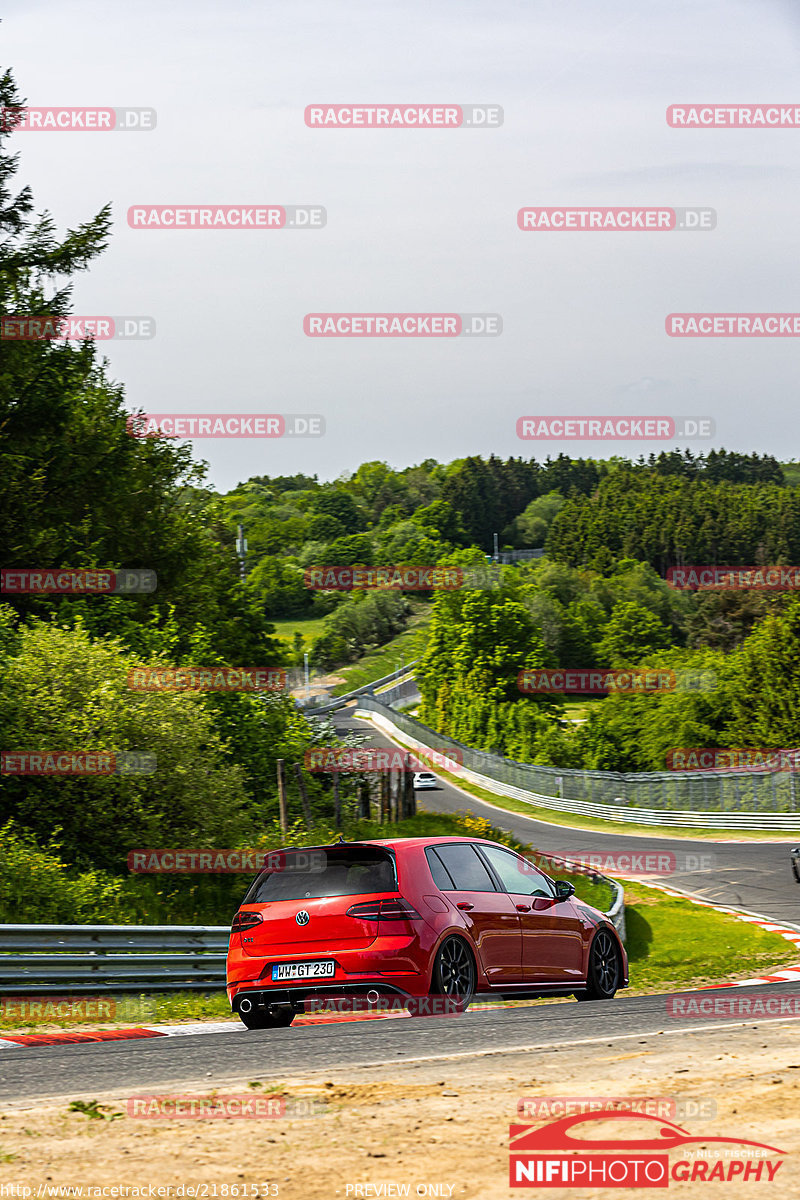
412, 841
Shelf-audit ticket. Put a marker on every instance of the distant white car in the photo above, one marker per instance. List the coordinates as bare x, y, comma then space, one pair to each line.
425, 779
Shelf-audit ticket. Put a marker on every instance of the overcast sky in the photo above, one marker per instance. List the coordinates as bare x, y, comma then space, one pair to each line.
425, 220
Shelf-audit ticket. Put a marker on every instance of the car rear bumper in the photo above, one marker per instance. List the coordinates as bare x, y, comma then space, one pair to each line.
347, 996
392, 964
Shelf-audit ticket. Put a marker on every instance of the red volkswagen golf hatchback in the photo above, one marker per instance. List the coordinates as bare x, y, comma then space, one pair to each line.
411, 918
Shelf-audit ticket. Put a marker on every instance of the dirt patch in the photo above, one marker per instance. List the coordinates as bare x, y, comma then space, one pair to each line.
431, 1125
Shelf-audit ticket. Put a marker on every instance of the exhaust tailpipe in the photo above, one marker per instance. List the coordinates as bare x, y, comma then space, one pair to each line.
245, 1005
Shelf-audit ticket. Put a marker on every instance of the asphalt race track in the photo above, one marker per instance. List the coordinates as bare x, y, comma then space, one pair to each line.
39, 1073
756, 876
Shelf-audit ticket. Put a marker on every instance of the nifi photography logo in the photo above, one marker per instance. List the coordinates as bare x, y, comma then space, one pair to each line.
572, 1152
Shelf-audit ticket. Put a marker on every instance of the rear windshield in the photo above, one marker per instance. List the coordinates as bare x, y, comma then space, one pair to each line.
329, 871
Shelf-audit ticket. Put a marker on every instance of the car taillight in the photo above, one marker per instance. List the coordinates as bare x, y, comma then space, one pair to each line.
384, 910
245, 920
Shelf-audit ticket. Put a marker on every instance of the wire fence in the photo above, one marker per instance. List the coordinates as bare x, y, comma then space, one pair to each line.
745, 791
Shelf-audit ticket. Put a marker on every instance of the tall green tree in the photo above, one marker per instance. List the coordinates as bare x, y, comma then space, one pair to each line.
765, 684
76, 489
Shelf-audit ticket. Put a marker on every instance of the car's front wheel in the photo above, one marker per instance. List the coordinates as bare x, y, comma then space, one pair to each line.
605, 969
453, 973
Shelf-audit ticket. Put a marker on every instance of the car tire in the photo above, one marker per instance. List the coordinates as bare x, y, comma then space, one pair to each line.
454, 974
605, 968
263, 1019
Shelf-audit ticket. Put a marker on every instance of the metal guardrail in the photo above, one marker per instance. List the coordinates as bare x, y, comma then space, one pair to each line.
365, 689
405, 693
616, 914
64, 959
42, 960
725, 802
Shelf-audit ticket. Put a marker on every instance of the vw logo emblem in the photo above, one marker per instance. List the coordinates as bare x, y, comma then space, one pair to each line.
302, 917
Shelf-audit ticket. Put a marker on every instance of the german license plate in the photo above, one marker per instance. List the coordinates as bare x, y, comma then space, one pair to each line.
304, 970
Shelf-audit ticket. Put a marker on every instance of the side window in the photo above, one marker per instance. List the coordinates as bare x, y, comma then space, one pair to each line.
438, 870
518, 876
464, 868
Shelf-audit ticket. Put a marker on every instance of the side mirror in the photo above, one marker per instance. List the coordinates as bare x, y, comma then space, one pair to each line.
564, 890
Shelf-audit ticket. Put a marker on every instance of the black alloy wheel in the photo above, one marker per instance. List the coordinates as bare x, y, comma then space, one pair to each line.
605, 969
454, 972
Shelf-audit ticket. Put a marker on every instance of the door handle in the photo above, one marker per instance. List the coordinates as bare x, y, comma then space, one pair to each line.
465, 905
523, 908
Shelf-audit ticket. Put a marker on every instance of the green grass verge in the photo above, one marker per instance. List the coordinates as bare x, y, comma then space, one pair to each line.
552, 816
310, 627
578, 710
673, 943
407, 646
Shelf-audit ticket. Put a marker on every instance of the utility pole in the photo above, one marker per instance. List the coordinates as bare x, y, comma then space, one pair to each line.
364, 807
283, 811
385, 814
241, 552
496, 557
337, 802
301, 784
